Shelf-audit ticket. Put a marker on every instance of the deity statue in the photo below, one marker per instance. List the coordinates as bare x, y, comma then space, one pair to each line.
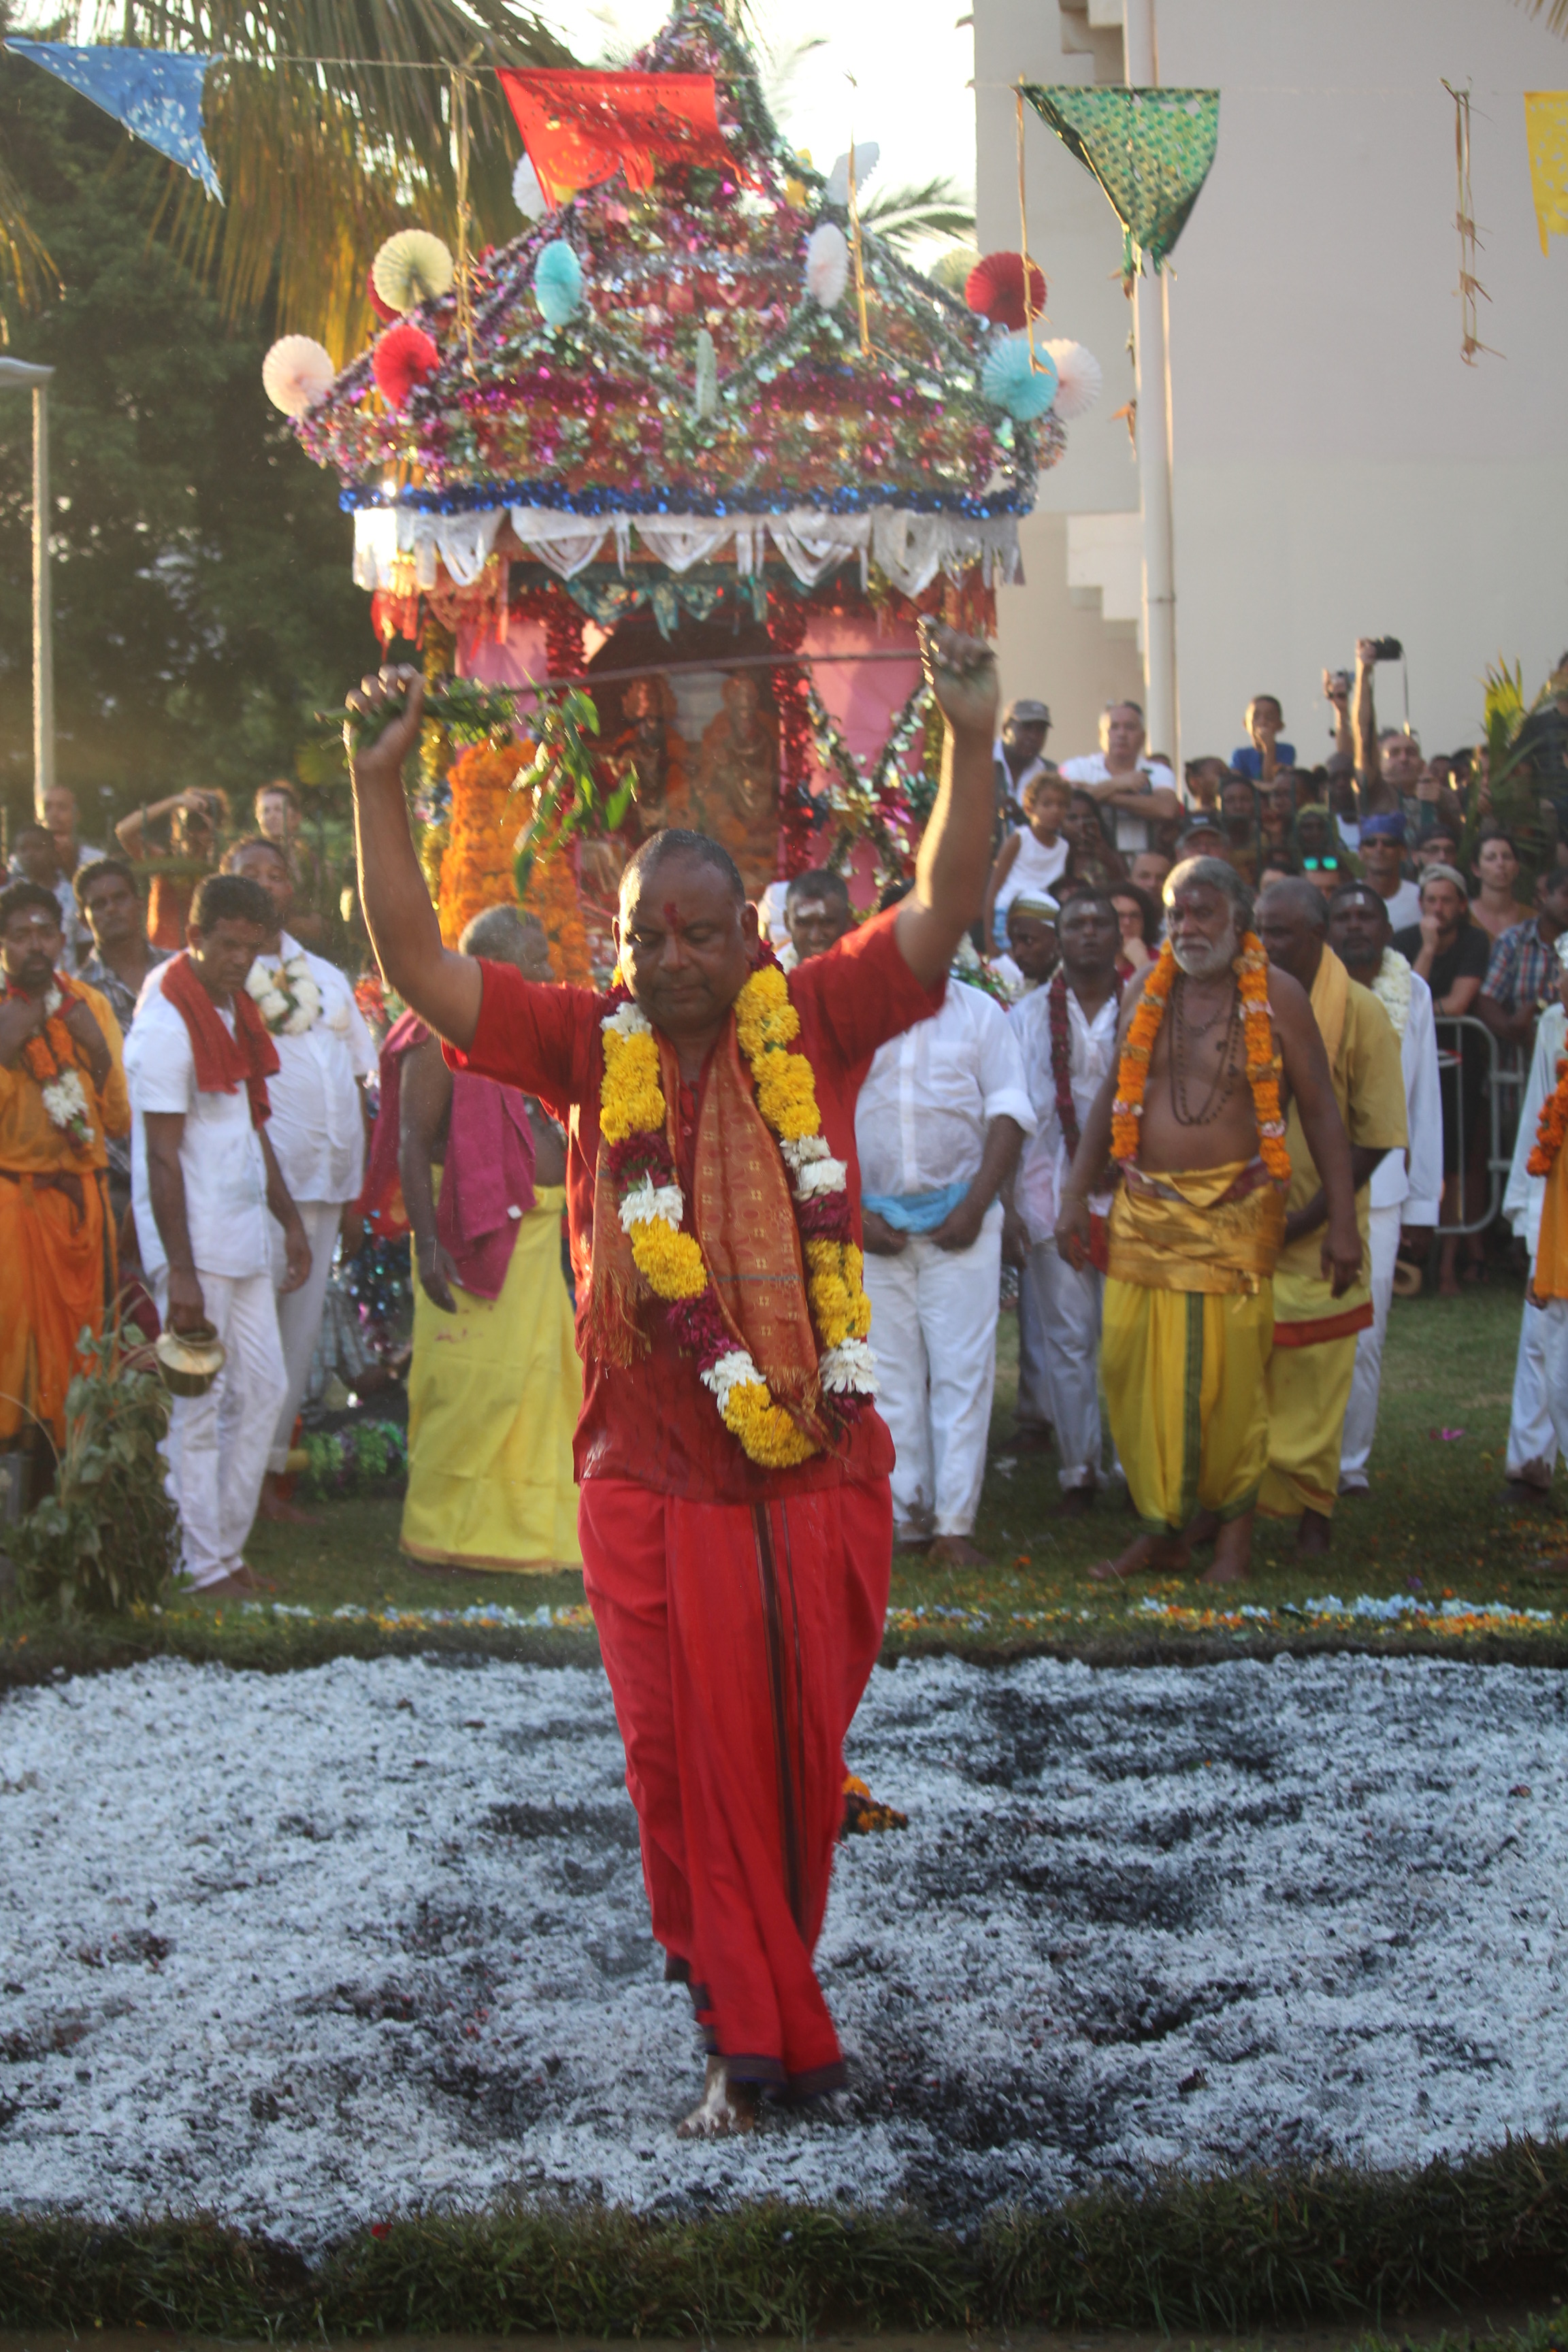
738, 782
651, 754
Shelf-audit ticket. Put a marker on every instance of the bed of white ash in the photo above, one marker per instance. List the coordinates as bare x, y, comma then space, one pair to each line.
308, 1949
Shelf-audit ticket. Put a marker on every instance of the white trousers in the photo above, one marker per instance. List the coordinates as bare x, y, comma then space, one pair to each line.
933, 1331
1366, 1380
1033, 1410
299, 1312
217, 1444
1067, 1307
1541, 1386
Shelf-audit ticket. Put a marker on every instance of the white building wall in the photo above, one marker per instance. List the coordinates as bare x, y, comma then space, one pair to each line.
1338, 468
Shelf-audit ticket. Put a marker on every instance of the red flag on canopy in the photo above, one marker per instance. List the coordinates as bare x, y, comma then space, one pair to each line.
582, 127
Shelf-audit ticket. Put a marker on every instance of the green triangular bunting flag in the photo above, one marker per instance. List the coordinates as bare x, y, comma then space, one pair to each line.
1149, 149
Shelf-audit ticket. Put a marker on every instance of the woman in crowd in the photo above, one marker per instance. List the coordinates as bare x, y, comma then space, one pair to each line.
1494, 902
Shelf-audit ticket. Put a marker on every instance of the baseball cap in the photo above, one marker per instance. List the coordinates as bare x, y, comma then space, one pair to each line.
1383, 828
1028, 712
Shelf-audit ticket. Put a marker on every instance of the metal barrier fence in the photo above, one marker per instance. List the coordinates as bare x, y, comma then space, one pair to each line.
1502, 1092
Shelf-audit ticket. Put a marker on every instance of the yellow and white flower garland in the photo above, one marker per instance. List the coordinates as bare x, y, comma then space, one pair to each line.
653, 1209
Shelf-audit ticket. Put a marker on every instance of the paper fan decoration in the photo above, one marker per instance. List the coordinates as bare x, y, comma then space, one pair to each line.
557, 283
526, 192
1079, 378
297, 371
826, 264
994, 290
403, 357
1024, 391
412, 268
867, 155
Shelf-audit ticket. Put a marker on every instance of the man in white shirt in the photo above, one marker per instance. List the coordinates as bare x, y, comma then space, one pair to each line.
1407, 1186
205, 1187
317, 1129
1067, 1034
1017, 757
1531, 1458
941, 1117
1139, 792
1382, 854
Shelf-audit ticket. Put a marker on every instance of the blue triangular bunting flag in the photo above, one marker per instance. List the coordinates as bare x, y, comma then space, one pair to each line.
154, 92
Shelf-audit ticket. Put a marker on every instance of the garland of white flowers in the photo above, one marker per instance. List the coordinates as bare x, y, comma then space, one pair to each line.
285, 995
1393, 991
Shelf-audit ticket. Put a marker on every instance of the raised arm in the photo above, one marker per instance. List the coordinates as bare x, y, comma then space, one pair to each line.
1307, 1076
443, 987
1376, 797
955, 852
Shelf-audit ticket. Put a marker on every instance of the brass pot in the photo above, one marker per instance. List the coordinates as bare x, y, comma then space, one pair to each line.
190, 1361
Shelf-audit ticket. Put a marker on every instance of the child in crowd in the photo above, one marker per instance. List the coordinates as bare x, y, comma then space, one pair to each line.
1263, 753
1032, 859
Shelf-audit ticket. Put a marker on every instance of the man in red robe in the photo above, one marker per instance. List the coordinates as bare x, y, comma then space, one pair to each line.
739, 1608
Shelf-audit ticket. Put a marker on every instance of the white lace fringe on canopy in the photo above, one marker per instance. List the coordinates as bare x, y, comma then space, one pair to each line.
909, 547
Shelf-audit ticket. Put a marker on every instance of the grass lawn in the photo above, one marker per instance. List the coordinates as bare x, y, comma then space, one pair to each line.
1437, 1526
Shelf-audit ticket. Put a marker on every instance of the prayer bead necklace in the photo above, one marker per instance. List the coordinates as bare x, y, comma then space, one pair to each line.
1225, 1074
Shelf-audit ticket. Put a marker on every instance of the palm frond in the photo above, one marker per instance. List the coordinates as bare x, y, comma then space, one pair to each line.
904, 217
26, 268
1555, 13
319, 160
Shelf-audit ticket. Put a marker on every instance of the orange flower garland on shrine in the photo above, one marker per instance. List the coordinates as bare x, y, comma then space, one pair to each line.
1551, 1126
1251, 968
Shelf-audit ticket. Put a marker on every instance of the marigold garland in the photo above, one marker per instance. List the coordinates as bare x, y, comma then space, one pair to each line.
54, 1059
1251, 969
653, 1207
1551, 1126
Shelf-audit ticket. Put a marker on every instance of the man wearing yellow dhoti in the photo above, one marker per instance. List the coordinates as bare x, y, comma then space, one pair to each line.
1316, 1324
1191, 1115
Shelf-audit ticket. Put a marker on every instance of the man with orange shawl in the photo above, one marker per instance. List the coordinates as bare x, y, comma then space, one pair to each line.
1191, 1115
735, 1515
62, 1091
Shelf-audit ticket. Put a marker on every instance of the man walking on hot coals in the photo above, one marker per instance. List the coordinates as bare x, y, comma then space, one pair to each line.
735, 1516
1066, 1034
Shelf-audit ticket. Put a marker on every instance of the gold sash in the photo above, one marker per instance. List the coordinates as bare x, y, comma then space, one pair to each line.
1212, 1229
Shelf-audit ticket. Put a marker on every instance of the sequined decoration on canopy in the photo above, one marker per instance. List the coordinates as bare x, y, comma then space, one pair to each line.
154, 93
1546, 139
1150, 150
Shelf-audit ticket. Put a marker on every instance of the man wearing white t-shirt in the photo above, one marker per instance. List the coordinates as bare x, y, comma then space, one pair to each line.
317, 1129
206, 1189
1067, 1034
937, 1127
1139, 792
1407, 1186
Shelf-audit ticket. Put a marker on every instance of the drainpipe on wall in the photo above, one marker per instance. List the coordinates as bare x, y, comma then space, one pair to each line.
1152, 334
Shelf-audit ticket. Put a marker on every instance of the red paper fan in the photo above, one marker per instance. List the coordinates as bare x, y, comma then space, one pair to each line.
383, 311
403, 357
994, 288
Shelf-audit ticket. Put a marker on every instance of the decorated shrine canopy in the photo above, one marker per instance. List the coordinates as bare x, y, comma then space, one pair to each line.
1150, 150
682, 339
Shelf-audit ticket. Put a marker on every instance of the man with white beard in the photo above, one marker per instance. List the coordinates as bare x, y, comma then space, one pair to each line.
1191, 1112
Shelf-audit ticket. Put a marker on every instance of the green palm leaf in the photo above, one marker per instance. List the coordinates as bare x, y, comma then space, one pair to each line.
908, 217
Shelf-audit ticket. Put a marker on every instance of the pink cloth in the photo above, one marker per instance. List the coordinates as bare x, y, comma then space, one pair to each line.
487, 1180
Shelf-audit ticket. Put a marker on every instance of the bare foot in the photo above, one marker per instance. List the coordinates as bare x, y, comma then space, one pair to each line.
1314, 1535
957, 1551
272, 1505
1232, 1552
243, 1582
1076, 1502
724, 2109
1144, 1556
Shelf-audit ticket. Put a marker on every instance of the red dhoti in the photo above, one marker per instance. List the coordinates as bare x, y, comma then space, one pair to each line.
738, 1638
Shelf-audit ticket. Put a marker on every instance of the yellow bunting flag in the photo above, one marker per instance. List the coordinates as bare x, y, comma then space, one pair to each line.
1546, 137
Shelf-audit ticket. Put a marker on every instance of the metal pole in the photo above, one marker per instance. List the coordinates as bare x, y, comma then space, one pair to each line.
19, 375
1152, 314
43, 628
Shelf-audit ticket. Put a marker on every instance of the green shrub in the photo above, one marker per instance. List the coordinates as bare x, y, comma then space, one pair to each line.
105, 1538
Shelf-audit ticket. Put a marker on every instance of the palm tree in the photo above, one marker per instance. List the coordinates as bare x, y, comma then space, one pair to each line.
330, 122
909, 217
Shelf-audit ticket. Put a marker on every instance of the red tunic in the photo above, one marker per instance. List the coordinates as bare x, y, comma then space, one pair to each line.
653, 1422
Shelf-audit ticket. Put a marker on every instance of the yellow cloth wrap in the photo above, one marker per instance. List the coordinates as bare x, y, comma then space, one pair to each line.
494, 1393
1178, 1231
1549, 1279
1184, 1373
1308, 1389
